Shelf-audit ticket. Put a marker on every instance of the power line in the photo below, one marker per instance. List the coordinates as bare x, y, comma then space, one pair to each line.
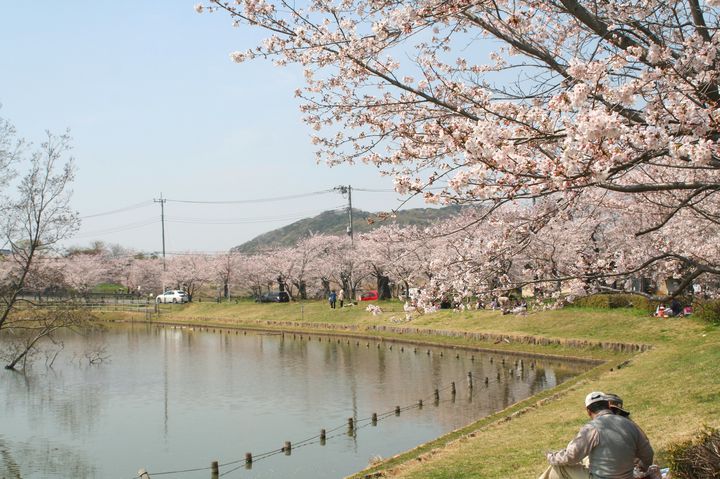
243, 220
119, 210
391, 190
375, 190
117, 229
202, 221
254, 200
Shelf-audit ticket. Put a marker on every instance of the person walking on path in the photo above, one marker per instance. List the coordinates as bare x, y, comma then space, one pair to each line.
612, 443
341, 297
332, 299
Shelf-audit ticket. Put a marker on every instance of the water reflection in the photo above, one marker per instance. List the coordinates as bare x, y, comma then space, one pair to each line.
42, 458
176, 398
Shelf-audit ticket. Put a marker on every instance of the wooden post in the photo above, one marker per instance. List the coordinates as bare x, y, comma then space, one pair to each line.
322, 437
214, 469
248, 460
486, 380
452, 388
351, 425
420, 404
374, 419
287, 449
437, 396
470, 379
397, 410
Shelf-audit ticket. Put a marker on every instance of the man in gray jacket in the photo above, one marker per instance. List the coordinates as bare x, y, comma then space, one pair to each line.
612, 443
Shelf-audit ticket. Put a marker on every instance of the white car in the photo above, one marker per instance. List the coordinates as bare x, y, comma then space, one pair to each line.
172, 296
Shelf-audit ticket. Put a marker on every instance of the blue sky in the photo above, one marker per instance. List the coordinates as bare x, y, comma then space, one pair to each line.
155, 105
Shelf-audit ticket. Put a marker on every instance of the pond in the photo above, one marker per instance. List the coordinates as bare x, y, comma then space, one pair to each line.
172, 399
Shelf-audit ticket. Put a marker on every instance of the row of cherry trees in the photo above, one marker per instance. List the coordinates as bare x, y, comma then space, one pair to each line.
578, 252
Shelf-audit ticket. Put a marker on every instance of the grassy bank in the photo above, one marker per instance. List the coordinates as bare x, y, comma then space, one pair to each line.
672, 389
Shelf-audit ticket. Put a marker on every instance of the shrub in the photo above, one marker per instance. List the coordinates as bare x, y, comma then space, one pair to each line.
698, 458
614, 301
707, 310
593, 301
630, 301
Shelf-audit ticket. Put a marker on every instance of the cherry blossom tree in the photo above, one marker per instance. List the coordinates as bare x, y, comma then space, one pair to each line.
494, 102
136, 273
82, 272
383, 250
308, 256
225, 270
188, 271
253, 274
348, 268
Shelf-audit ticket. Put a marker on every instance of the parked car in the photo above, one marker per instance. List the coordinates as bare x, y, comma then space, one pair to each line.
172, 296
274, 297
369, 295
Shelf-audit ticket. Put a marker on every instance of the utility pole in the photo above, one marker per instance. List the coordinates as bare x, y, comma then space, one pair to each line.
162, 202
348, 190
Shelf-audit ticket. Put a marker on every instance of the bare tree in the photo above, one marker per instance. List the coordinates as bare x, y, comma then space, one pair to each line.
9, 149
34, 221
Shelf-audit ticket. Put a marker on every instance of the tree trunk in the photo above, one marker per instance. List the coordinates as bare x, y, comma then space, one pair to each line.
347, 286
383, 287
326, 287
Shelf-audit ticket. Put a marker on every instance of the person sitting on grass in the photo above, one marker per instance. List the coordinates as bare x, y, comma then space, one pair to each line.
676, 307
612, 442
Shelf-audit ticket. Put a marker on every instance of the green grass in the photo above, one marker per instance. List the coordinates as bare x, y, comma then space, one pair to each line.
673, 390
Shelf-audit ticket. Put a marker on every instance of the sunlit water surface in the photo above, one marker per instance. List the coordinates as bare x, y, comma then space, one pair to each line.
171, 399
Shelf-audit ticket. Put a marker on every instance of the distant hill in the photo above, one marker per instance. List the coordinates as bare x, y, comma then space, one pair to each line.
335, 223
